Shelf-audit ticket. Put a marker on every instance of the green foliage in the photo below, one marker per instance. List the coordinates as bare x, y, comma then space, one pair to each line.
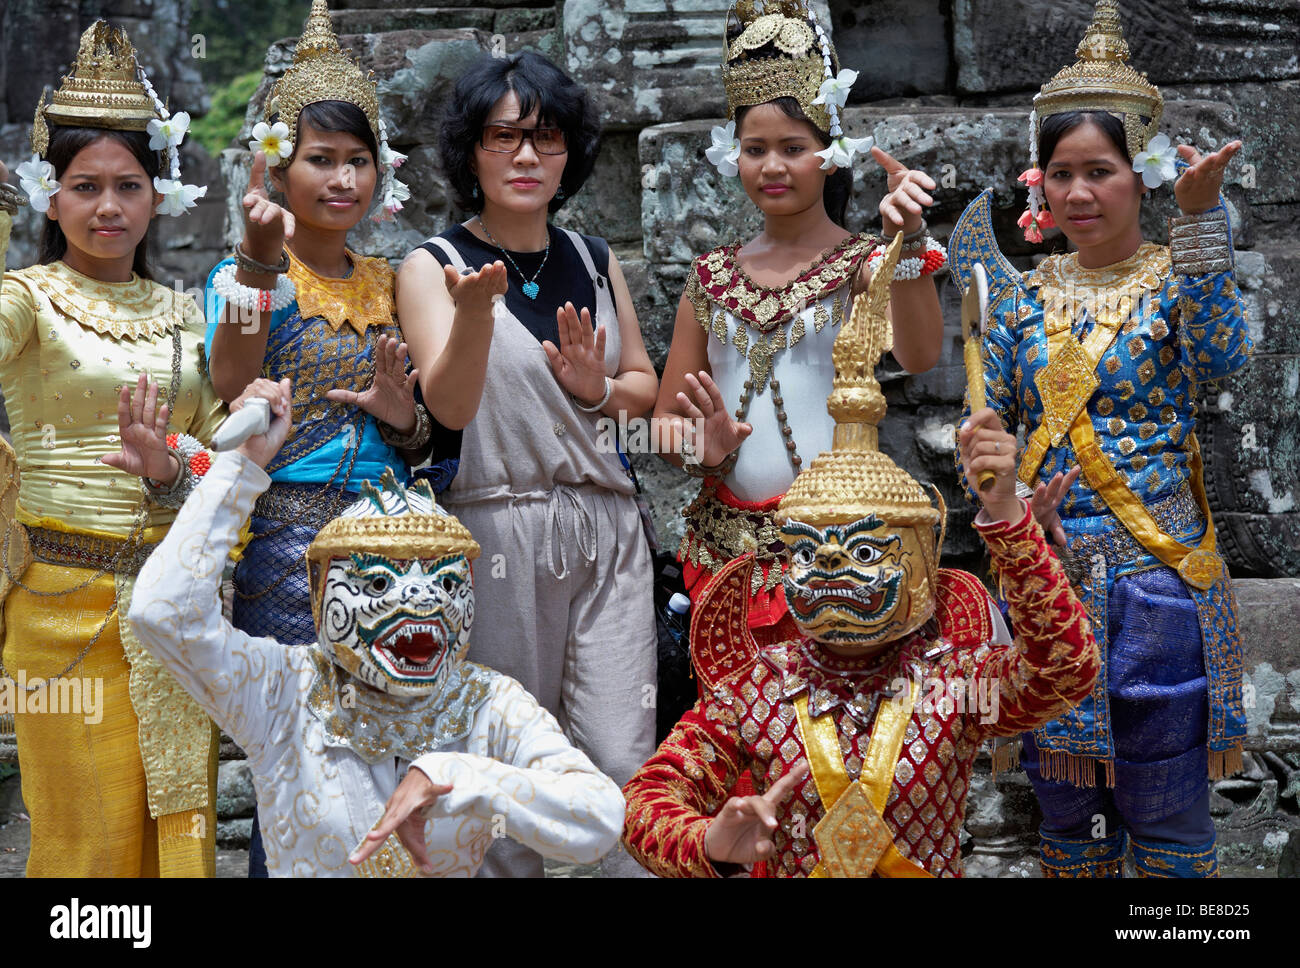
238, 32
216, 129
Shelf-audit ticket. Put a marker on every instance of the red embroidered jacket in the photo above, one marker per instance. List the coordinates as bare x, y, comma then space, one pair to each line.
971, 690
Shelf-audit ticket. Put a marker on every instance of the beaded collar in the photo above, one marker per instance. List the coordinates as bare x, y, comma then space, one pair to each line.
137, 309
718, 278
363, 299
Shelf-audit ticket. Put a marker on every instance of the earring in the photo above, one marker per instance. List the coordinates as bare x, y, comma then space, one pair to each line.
474, 193
559, 194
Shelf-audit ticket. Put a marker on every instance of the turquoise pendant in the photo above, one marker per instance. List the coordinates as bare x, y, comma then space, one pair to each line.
531, 289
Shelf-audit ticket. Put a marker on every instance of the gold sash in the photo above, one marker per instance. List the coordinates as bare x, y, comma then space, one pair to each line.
1066, 385
853, 838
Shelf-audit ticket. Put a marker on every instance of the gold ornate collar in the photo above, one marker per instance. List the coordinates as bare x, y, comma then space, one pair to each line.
363, 299
138, 309
1146, 269
377, 726
718, 278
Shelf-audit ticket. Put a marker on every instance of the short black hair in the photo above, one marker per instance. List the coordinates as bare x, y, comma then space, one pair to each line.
541, 87
65, 145
340, 116
1056, 126
839, 184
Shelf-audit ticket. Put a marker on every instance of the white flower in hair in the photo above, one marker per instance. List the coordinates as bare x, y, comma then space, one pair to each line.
389, 158
396, 194
835, 90
272, 140
37, 180
725, 150
1156, 163
168, 133
840, 153
177, 198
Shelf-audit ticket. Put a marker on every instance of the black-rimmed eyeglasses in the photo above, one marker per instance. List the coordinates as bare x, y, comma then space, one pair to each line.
506, 139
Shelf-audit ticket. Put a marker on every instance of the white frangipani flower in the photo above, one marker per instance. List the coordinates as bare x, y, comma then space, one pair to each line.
388, 158
272, 140
841, 151
1156, 163
397, 193
37, 180
725, 150
835, 90
169, 133
177, 198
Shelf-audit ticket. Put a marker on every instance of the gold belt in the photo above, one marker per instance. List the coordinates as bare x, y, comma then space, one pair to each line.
1178, 514
88, 551
307, 505
717, 533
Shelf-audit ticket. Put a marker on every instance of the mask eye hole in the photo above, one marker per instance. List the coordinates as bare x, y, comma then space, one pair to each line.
803, 556
448, 584
379, 584
865, 554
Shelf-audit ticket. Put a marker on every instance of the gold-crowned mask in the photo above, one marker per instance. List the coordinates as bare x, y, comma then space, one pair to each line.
391, 590
322, 71
778, 52
104, 89
1102, 80
863, 536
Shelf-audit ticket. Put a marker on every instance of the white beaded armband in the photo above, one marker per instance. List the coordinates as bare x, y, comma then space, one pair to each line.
254, 300
931, 260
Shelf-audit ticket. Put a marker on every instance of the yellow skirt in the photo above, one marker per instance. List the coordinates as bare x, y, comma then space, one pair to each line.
83, 779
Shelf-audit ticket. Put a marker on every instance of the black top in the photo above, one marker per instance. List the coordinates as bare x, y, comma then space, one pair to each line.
563, 278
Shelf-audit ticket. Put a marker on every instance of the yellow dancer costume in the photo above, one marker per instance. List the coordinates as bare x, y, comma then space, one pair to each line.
118, 764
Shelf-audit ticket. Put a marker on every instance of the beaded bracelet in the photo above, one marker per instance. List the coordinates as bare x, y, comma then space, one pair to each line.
240, 296
934, 259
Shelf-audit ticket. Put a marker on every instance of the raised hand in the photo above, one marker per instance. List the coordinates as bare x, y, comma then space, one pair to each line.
985, 446
475, 290
718, 434
261, 448
142, 427
405, 813
579, 363
1046, 504
391, 394
267, 226
901, 209
742, 831
1197, 189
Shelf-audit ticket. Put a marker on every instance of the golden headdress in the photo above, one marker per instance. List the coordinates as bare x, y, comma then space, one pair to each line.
104, 89
854, 479
797, 57
322, 71
108, 88
1102, 80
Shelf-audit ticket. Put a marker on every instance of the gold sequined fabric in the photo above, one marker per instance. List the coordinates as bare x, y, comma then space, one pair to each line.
363, 299
717, 533
133, 310
776, 54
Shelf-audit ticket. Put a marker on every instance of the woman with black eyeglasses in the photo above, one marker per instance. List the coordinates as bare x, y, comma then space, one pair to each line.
563, 588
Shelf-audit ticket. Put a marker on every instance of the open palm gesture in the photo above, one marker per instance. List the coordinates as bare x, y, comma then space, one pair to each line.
391, 394
142, 427
718, 435
1197, 188
579, 362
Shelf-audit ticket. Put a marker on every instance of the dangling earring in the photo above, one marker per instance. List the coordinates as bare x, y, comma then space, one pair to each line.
474, 193
559, 194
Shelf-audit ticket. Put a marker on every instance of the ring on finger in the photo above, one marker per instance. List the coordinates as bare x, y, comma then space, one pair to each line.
997, 446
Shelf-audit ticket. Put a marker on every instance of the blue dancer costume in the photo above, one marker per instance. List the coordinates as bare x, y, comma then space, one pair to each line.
1101, 368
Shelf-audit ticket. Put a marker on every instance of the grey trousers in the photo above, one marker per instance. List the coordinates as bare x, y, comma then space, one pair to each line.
564, 604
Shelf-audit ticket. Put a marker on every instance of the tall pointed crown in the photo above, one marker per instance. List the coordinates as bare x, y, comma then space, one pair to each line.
854, 479
104, 89
322, 71
1102, 80
780, 52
